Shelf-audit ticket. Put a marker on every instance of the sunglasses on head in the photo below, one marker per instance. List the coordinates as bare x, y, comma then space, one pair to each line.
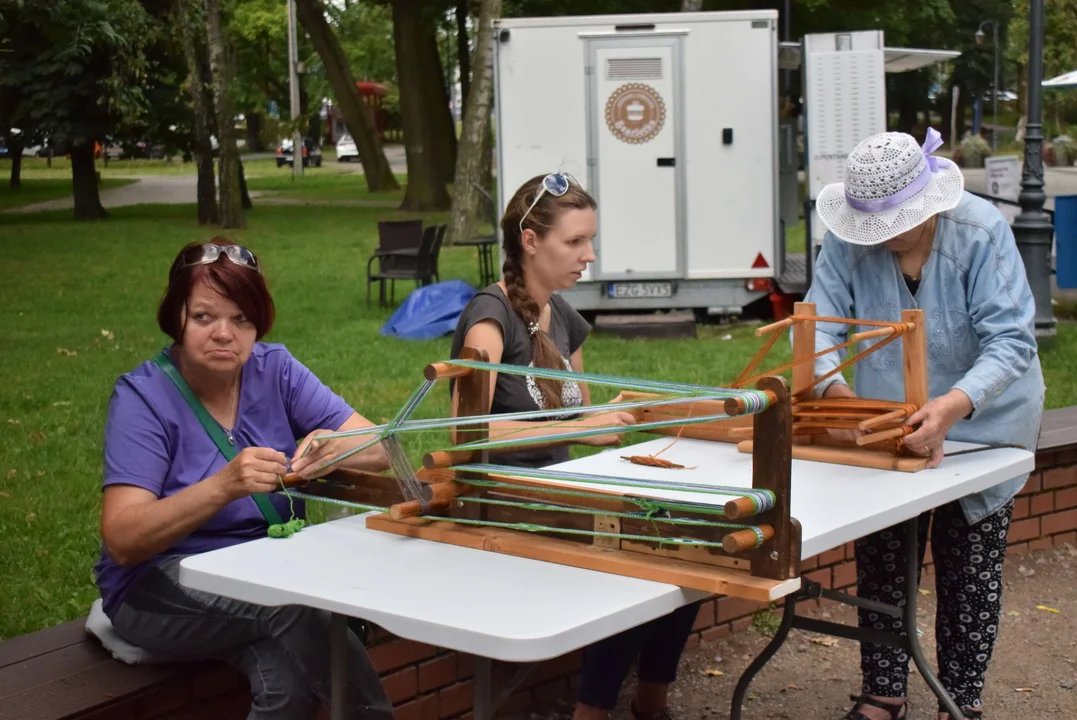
209, 253
556, 184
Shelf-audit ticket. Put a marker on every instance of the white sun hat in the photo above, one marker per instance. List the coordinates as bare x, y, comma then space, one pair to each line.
892, 185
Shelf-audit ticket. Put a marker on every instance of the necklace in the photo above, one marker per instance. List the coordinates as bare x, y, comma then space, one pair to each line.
230, 431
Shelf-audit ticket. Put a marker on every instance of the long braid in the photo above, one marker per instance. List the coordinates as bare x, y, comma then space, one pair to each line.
542, 217
543, 350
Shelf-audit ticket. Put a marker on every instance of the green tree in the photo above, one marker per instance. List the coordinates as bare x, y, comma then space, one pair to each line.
231, 215
379, 176
1059, 56
77, 67
476, 121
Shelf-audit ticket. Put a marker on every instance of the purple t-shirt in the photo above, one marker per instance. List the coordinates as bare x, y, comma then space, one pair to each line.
153, 440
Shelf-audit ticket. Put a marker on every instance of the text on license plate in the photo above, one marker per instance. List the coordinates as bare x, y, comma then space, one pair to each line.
640, 290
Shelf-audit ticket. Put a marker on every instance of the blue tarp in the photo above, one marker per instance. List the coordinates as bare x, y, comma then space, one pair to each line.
430, 312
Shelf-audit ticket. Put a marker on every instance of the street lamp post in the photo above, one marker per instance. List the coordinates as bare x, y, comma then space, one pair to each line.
994, 86
1032, 228
293, 86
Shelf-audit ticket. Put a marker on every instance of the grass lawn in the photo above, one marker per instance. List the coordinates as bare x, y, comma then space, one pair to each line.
324, 183
35, 190
79, 303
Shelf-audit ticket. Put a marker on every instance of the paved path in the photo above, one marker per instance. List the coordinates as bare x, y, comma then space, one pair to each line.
183, 189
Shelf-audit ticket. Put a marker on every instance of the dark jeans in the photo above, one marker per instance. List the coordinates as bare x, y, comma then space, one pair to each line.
283, 651
656, 645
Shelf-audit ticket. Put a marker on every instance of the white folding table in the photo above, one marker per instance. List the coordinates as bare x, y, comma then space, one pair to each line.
500, 607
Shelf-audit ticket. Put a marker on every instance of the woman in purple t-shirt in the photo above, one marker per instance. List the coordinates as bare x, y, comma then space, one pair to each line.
170, 492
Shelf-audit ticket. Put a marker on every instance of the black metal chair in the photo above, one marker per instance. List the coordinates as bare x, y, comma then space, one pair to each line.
398, 245
436, 253
408, 264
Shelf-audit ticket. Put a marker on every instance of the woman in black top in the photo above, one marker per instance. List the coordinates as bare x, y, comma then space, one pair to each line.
547, 230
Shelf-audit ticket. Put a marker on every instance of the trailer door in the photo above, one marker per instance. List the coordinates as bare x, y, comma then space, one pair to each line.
635, 152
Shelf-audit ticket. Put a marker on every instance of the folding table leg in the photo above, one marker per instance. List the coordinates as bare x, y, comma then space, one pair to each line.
909, 641
485, 704
764, 657
338, 675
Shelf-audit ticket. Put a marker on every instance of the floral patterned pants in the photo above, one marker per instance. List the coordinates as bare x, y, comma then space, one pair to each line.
968, 568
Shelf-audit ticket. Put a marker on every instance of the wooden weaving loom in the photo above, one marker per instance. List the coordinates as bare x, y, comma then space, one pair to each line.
883, 422
734, 541
742, 566
598, 523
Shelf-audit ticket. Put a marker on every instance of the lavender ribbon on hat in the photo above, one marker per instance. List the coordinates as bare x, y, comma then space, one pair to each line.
932, 142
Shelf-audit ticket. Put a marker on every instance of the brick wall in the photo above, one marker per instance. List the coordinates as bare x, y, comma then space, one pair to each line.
427, 683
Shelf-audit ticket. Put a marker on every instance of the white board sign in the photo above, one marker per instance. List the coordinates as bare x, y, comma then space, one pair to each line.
1003, 176
845, 97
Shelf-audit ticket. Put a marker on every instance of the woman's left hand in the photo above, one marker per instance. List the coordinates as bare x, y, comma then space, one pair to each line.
309, 466
935, 420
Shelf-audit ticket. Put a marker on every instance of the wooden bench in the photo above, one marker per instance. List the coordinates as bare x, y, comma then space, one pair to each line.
62, 672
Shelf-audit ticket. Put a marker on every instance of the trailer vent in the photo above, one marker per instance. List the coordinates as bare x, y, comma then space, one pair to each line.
634, 68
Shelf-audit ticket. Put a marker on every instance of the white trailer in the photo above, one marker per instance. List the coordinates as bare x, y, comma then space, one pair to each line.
671, 122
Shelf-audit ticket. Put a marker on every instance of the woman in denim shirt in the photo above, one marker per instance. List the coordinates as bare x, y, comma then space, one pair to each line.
904, 235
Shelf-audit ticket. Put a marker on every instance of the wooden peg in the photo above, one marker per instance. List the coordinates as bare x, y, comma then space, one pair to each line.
884, 435
872, 334
741, 540
780, 325
442, 495
448, 458
294, 480
742, 507
878, 420
444, 371
737, 406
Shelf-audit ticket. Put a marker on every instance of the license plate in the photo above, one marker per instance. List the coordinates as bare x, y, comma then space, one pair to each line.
640, 290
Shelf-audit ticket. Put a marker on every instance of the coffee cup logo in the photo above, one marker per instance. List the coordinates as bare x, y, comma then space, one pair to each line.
635, 113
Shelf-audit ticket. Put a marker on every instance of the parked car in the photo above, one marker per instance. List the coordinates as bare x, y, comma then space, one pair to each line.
312, 154
346, 150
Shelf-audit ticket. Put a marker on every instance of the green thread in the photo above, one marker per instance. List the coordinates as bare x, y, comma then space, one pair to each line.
642, 503
292, 526
693, 522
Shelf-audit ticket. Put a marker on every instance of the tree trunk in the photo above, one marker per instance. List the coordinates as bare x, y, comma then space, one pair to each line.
202, 104
442, 125
908, 97
84, 182
231, 199
379, 176
14, 149
463, 53
244, 195
691, 5
426, 190
469, 161
254, 132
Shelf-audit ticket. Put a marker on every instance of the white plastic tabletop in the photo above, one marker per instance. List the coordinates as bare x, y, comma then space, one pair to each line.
491, 605
516, 609
834, 503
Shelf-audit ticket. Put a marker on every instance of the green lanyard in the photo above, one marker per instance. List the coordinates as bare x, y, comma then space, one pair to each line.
260, 499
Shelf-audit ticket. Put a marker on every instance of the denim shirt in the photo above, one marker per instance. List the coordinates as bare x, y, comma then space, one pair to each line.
979, 313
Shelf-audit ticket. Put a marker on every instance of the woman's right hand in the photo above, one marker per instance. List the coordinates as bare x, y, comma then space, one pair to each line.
253, 470
616, 419
841, 390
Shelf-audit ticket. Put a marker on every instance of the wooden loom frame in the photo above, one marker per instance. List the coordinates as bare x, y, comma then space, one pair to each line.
887, 425
764, 573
